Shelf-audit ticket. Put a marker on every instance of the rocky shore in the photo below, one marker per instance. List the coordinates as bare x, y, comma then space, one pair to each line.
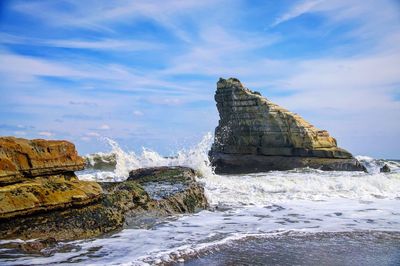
41, 197
255, 135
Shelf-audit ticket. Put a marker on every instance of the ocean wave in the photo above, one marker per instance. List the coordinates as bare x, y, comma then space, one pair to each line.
258, 189
305, 184
374, 165
116, 164
186, 236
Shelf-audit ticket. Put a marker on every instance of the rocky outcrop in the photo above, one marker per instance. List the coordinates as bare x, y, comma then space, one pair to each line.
173, 189
44, 194
37, 176
41, 197
255, 135
385, 169
22, 158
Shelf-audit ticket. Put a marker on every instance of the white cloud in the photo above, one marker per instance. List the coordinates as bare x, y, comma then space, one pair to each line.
296, 11
20, 133
83, 103
110, 45
92, 134
219, 51
104, 127
137, 113
358, 87
45, 133
166, 101
101, 14
25, 68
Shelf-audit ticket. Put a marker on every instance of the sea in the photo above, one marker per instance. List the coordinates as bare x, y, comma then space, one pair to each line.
298, 217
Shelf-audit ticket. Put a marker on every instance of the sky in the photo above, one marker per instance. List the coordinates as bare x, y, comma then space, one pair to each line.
144, 73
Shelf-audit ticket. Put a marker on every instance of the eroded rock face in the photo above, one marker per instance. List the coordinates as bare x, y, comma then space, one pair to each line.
37, 182
37, 176
46, 194
172, 189
121, 204
267, 135
23, 158
41, 197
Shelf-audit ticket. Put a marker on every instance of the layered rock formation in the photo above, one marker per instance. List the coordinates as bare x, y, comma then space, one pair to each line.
41, 197
255, 135
22, 158
37, 176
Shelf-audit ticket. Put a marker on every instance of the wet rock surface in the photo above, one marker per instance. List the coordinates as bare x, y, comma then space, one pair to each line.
39, 192
385, 169
38, 203
45, 194
257, 135
22, 158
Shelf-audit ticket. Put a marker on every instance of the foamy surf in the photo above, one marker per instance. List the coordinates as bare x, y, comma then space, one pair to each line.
188, 235
125, 161
256, 189
263, 205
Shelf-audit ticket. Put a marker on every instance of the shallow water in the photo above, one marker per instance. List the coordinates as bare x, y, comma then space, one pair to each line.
347, 248
299, 217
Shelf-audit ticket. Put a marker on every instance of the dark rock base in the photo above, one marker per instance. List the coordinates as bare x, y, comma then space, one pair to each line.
247, 163
122, 204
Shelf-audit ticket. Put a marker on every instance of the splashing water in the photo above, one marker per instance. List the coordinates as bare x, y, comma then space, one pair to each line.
195, 157
374, 165
304, 201
260, 188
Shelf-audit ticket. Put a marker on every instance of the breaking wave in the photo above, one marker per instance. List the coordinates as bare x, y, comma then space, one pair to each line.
262, 205
374, 165
253, 189
116, 164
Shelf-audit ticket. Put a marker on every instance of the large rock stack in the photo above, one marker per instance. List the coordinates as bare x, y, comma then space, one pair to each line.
255, 135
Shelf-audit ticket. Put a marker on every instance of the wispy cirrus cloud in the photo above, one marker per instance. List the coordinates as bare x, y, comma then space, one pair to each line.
110, 45
102, 15
296, 11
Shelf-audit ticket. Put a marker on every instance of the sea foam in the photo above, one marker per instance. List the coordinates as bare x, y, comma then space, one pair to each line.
301, 201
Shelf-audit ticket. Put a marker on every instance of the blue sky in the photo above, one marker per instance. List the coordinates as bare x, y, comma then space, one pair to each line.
144, 72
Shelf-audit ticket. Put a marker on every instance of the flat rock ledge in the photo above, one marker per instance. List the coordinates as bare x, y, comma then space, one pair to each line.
39, 203
255, 135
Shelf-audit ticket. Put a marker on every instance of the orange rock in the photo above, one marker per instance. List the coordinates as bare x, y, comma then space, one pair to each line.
45, 194
22, 158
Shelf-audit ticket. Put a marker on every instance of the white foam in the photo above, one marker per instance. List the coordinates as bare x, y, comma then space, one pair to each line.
263, 204
260, 188
190, 234
276, 187
374, 165
195, 157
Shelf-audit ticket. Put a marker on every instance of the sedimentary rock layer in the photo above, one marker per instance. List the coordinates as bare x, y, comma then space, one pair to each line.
121, 204
37, 176
46, 194
267, 133
41, 197
22, 158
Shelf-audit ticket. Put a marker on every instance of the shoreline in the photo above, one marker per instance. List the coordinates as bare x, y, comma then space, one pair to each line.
324, 248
